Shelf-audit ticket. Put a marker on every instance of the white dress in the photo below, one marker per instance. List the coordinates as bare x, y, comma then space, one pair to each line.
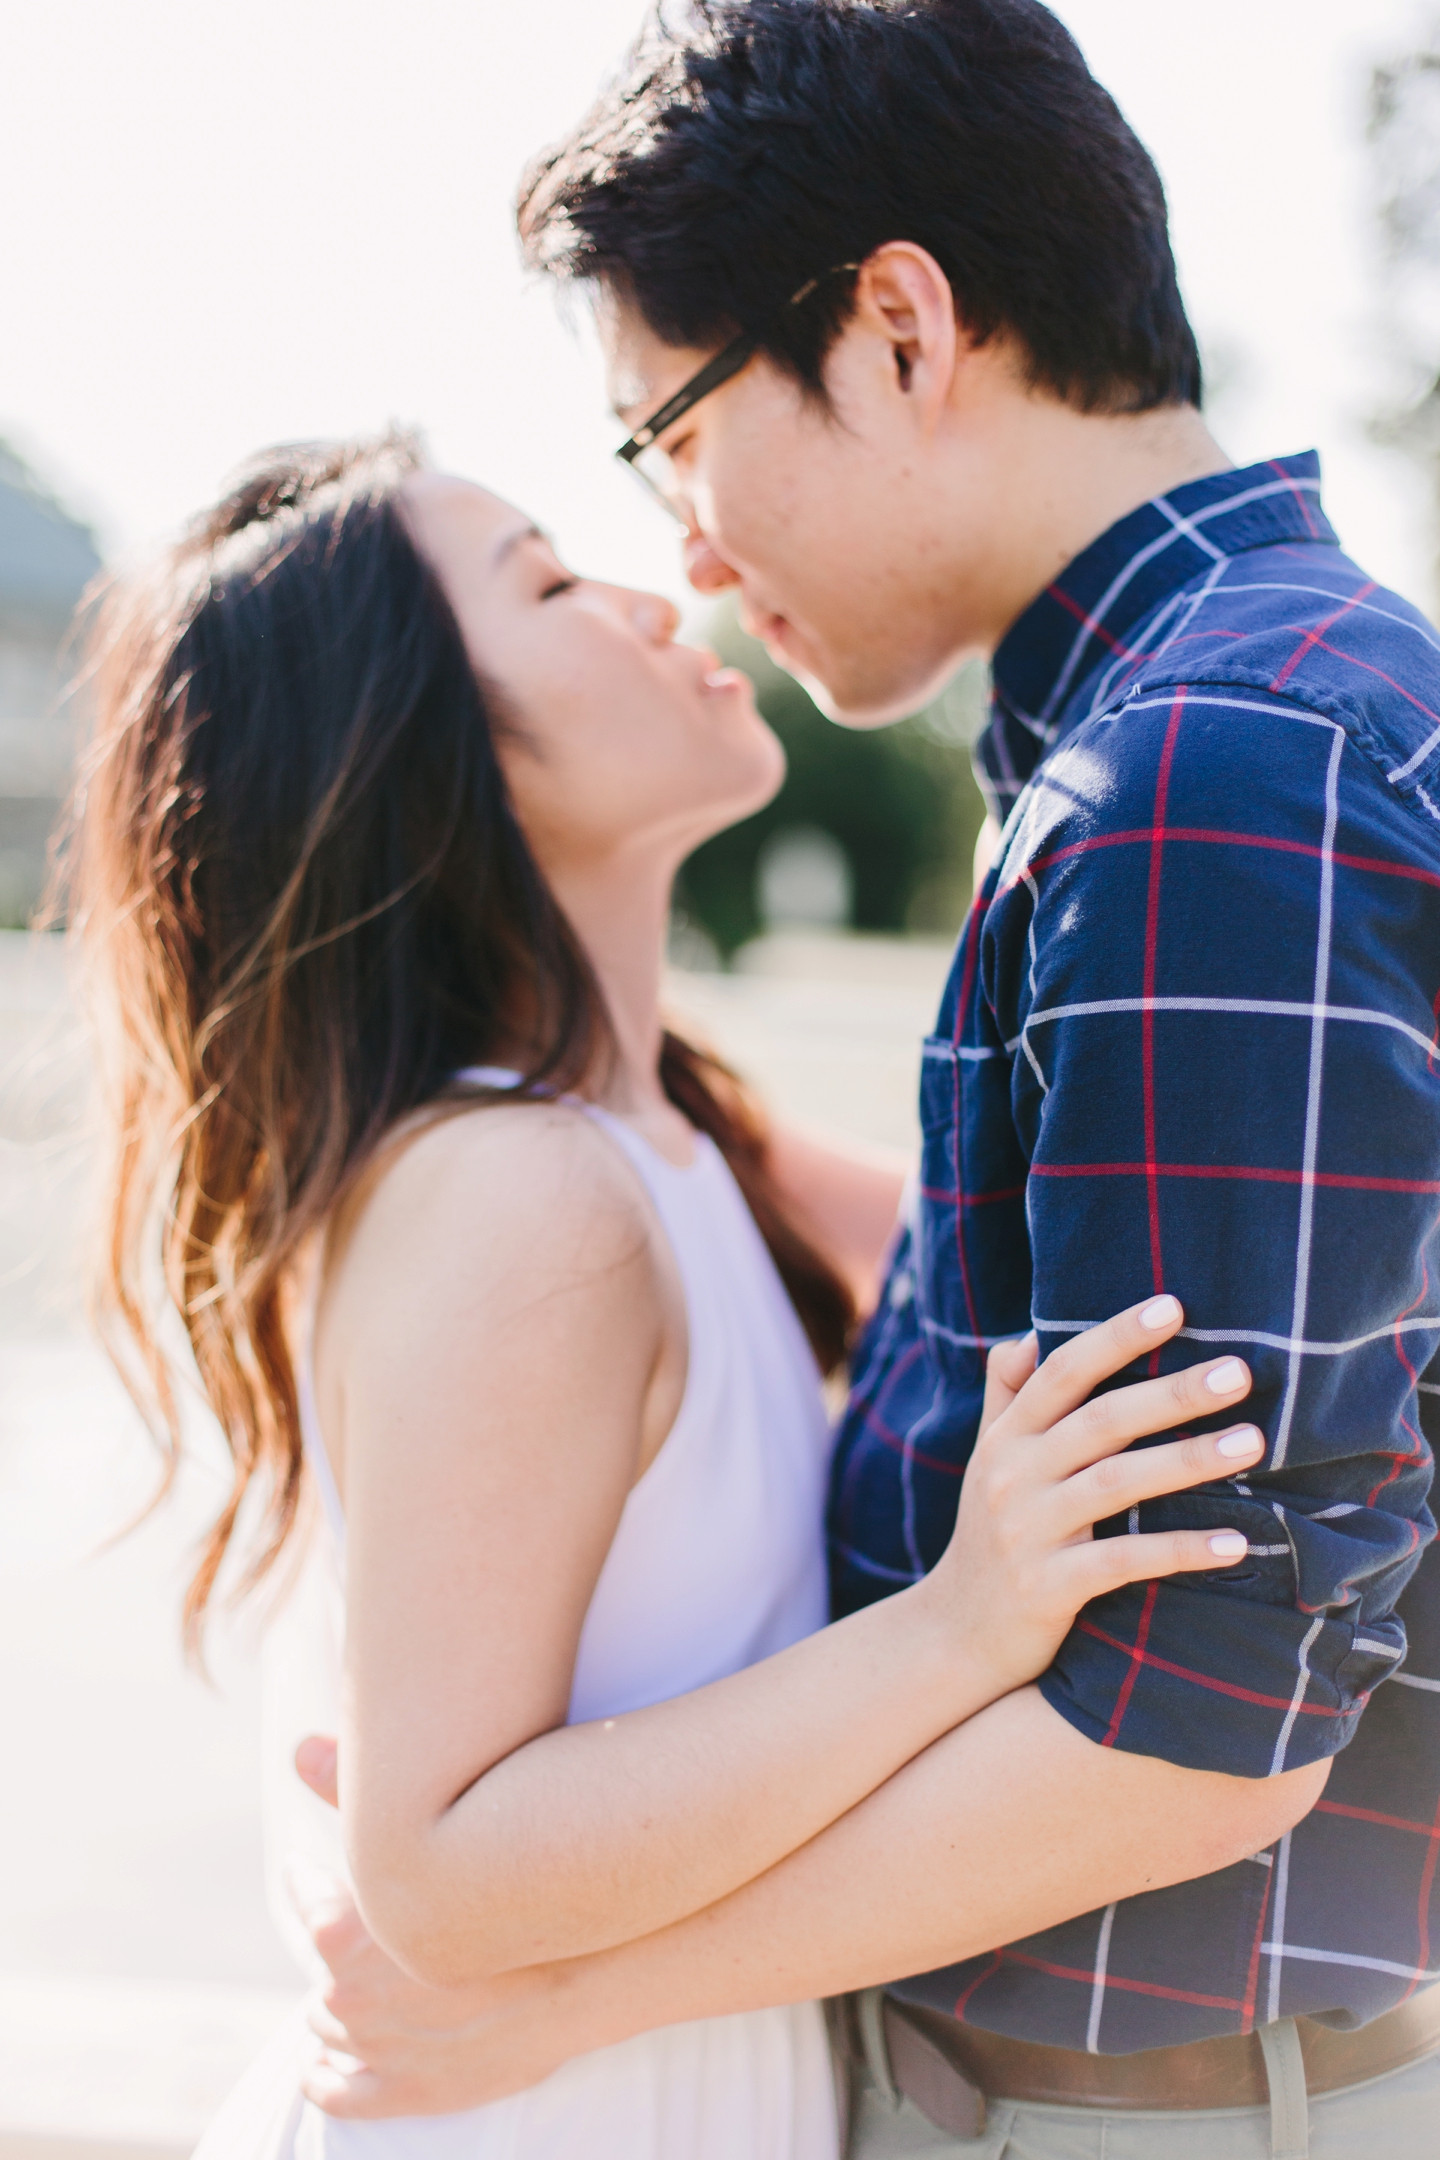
718, 1561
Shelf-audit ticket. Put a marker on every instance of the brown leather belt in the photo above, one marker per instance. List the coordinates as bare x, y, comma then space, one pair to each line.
949, 2070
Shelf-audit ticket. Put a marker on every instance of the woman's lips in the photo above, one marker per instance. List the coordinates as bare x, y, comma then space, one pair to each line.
724, 678
714, 674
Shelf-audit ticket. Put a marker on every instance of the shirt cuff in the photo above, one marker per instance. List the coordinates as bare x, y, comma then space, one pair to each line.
1211, 1682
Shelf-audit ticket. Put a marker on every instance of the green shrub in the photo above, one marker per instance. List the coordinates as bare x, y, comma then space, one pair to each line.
901, 801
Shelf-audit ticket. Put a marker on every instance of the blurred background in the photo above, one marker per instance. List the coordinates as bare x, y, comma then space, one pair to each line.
228, 228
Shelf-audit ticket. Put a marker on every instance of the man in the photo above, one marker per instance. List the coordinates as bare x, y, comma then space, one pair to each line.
888, 301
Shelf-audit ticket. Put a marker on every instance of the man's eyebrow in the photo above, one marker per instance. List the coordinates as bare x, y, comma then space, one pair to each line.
514, 538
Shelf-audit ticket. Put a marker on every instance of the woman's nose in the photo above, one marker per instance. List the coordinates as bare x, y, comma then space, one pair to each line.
705, 567
655, 617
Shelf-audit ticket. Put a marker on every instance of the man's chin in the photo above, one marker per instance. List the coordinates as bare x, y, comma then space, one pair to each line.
854, 705
851, 697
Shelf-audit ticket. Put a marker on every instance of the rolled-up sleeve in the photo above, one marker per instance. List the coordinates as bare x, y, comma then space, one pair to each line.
1215, 962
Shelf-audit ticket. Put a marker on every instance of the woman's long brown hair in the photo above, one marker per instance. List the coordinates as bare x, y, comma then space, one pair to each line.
307, 905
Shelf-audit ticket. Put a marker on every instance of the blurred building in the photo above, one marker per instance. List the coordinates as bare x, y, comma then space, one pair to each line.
46, 560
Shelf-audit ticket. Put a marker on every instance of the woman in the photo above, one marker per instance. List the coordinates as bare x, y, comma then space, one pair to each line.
378, 840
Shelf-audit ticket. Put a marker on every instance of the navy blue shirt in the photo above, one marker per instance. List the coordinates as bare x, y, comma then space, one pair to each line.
1189, 1042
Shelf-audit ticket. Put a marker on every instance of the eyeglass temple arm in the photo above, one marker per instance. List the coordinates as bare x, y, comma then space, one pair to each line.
727, 362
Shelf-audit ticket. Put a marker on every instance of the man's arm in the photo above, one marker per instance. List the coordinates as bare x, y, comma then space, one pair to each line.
1006, 1826
848, 1193
1224, 1081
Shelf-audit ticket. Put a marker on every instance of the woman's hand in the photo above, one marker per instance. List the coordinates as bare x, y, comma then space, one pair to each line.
1049, 1464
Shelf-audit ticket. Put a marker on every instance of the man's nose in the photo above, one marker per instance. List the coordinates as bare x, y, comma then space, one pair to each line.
705, 567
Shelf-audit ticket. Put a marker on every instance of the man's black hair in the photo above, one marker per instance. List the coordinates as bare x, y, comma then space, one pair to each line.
768, 141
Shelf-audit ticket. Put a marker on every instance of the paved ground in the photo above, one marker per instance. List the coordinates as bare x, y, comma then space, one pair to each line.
138, 1967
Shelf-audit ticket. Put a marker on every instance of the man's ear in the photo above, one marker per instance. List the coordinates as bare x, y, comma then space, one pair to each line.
903, 296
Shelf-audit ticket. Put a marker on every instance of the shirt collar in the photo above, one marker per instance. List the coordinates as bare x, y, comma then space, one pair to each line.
1083, 618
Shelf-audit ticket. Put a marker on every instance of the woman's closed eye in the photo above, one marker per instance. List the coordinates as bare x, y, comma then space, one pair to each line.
562, 584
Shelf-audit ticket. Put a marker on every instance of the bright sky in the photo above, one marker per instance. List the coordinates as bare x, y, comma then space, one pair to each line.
231, 226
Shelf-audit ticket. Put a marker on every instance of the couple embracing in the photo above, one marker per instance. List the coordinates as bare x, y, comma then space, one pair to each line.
712, 1786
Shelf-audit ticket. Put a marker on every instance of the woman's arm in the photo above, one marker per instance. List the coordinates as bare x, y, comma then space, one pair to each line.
495, 1395
1003, 1828
1010, 1825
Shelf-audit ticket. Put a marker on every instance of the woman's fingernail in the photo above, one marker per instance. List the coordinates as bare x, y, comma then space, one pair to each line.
1249, 1440
1160, 1312
1228, 1544
1226, 1378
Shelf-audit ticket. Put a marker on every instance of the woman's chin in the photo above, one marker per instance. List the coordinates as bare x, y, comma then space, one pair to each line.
730, 807
767, 777
737, 770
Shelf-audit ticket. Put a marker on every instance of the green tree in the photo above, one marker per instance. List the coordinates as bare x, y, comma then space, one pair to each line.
901, 801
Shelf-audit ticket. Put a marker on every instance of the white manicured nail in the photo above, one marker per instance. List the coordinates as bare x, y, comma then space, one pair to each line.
1226, 1378
1160, 1313
1228, 1544
1248, 1441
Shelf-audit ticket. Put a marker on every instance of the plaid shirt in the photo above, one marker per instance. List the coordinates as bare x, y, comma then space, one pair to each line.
1190, 1041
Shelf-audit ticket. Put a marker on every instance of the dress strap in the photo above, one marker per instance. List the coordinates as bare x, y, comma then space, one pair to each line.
494, 1076
642, 1153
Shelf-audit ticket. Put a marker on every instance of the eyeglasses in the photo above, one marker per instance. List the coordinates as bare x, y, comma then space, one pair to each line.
644, 455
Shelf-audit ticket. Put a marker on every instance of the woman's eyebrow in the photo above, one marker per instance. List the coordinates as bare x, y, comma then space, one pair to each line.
511, 540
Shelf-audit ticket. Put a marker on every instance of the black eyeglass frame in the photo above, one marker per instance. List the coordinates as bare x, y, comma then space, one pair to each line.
727, 362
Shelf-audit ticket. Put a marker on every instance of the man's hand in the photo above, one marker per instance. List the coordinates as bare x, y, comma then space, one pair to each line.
390, 2046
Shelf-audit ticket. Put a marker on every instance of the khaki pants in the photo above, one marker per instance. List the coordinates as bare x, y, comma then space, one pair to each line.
1389, 2118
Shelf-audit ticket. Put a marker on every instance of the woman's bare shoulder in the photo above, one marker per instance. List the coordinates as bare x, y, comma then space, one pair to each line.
506, 1201
499, 1275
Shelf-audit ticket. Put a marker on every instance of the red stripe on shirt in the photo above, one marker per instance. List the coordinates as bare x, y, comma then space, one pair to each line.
1365, 1814
1132, 1987
1206, 1680
1312, 638
1218, 836
1137, 1659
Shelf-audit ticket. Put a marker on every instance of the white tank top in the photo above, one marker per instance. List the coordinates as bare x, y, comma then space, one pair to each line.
718, 1561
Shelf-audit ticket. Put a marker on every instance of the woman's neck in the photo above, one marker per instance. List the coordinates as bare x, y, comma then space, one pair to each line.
621, 915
